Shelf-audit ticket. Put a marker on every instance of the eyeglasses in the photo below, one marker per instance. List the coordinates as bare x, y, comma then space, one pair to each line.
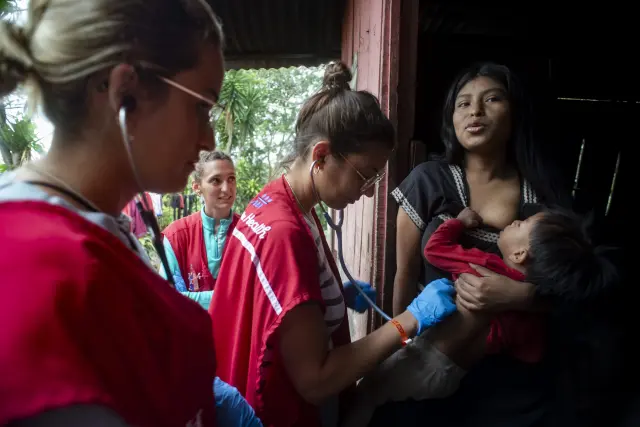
367, 183
216, 108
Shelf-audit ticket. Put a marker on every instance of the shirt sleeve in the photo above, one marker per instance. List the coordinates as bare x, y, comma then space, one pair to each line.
444, 252
232, 409
173, 266
421, 193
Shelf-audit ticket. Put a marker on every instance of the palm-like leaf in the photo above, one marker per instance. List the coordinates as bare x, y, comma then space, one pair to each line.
7, 7
243, 99
254, 105
18, 141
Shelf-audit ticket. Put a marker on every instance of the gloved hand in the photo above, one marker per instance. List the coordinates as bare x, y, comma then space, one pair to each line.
232, 409
433, 304
354, 299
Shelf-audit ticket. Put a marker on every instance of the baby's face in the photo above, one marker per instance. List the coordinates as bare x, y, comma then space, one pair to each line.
515, 237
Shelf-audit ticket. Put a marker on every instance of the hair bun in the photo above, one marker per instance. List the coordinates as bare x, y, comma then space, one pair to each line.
15, 59
337, 76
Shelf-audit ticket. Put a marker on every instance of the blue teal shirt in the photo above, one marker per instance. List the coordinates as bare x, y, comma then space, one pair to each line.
232, 410
214, 244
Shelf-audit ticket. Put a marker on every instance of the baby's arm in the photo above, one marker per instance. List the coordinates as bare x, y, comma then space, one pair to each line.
462, 336
443, 250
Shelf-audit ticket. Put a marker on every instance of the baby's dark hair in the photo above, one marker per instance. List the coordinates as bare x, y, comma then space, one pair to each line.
564, 264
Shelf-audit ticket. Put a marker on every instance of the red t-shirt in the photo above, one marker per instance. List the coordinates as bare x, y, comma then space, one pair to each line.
187, 241
270, 266
85, 321
520, 334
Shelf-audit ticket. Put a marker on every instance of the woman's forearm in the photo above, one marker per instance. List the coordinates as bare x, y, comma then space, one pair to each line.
347, 364
404, 290
319, 379
318, 372
408, 259
493, 292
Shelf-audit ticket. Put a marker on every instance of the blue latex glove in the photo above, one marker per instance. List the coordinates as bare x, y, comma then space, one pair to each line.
354, 299
232, 410
433, 304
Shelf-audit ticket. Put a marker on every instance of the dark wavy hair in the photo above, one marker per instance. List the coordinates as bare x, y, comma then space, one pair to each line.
523, 149
564, 264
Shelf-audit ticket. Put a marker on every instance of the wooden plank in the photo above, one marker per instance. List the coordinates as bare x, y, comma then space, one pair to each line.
373, 27
348, 34
359, 217
400, 73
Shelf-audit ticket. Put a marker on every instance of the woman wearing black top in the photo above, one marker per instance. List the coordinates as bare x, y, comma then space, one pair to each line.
490, 166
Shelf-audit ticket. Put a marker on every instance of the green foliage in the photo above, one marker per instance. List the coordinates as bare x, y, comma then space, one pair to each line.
147, 244
251, 176
8, 7
20, 136
243, 99
286, 89
167, 210
167, 213
257, 128
18, 141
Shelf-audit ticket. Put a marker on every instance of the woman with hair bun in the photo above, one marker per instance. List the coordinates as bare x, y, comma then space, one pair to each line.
285, 341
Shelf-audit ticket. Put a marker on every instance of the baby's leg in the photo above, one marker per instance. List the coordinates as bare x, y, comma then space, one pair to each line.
418, 371
462, 336
430, 367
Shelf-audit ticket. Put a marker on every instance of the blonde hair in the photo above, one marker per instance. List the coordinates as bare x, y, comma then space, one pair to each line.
65, 42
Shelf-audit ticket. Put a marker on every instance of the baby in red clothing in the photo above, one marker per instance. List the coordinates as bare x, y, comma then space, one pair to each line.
550, 249
520, 334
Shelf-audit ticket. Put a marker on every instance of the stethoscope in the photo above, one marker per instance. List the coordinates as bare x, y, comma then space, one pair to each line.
146, 212
151, 223
337, 228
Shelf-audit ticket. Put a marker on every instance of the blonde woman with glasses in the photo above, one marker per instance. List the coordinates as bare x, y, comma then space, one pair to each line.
91, 334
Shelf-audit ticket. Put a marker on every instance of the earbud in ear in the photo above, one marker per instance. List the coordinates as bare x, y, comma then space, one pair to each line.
318, 166
129, 103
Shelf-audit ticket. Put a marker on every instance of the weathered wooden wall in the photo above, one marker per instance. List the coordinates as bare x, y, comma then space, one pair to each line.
371, 45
